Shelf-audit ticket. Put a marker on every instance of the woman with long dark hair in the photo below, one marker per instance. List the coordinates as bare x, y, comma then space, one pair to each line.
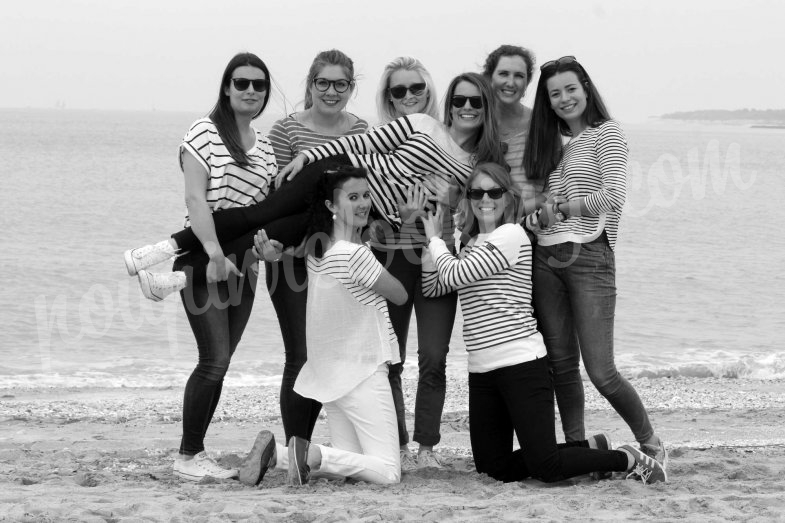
574, 264
226, 163
510, 388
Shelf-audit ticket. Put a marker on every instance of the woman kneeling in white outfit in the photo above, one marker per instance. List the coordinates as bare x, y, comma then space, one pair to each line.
350, 345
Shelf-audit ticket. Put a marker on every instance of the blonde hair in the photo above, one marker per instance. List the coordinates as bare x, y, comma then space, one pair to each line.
384, 106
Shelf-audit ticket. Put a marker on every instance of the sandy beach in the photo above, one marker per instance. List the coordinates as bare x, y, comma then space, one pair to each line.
87, 454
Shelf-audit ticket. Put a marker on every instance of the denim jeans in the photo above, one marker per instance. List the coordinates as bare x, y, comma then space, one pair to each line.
287, 284
435, 317
218, 314
575, 300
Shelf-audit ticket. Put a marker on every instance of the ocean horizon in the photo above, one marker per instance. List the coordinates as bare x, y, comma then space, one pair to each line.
700, 290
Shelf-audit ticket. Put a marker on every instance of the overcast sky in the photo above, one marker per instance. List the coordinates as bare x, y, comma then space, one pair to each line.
647, 58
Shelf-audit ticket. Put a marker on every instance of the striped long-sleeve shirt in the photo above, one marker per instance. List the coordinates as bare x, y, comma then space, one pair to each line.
399, 154
594, 166
493, 279
290, 137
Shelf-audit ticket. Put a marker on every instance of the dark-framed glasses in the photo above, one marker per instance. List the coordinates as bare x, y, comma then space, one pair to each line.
493, 194
241, 84
458, 101
569, 59
399, 91
340, 86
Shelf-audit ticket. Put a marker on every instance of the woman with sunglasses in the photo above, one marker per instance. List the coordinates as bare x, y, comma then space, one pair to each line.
574, 264
329, 86
509, 69
510, 389
226, 163
401, 158
406, 88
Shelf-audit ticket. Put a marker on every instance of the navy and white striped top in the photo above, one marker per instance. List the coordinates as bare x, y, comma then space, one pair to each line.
493, 279
397, 155
290, 137
594, 166
229, 184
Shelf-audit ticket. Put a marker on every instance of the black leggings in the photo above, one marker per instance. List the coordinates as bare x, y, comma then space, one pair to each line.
283, 215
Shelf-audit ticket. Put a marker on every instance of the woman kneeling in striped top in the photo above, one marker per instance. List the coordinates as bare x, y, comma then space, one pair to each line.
510, 388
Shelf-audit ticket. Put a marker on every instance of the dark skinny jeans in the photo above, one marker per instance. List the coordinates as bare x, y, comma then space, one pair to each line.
519, 399
218, 314
435, 317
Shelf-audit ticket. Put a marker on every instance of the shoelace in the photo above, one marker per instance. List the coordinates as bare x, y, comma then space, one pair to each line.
642, 472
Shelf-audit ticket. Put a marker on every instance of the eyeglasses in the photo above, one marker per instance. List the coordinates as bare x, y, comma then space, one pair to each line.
459, 101
563, 60
340, 86
399, 91
494, 194
241, 84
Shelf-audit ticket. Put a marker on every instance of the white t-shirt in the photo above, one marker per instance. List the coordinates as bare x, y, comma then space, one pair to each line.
348, 330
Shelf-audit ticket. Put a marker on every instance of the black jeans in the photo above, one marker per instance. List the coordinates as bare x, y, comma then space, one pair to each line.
218, 314
435, 317
287, 284
519, 399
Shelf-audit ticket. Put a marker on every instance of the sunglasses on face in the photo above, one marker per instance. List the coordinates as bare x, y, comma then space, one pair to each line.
459, 101
340, 86
241, 84
493, 194
399, 91
563, 60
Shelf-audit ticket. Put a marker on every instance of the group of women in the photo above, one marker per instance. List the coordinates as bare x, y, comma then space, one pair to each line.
359, 231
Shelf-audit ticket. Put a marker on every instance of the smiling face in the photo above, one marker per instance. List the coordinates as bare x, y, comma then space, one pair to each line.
466, 118
509, 79
330, 101
351, 203
488, 212
248, 101
411, 103
567, 97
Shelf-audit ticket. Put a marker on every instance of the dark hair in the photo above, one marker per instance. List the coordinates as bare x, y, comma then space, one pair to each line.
488, 144
466, 221
222, 114
323, 59
509, 50
543, 149
320, 224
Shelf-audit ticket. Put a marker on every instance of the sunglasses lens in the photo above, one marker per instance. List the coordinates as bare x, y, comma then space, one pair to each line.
496, 193
475, 194
398, 92
476, 102
458, 101
259, 86
563, 60
241, 84
493, 194
417, 89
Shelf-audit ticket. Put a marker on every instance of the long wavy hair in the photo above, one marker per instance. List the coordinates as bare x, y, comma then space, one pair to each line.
384, 105
320, 223
322, 60
509, 50
488, 144
544, 150
466, 221
222, 113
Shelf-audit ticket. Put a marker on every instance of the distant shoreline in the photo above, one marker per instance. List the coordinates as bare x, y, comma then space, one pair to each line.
755, 118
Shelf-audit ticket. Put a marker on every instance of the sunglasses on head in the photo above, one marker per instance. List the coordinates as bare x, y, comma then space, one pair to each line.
458, 101
241, 84
399, 91
340, 86
563, 60
493, 194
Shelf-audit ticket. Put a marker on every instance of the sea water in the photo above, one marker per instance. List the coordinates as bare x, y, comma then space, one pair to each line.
701, 291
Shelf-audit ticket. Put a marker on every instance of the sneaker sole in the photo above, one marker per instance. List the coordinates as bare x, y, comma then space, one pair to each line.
255, 466
130, 266
144, 283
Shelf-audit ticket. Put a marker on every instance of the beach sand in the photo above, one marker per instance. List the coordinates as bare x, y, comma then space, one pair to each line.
105, 455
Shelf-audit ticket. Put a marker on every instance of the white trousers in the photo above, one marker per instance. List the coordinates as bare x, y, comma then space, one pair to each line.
364, 435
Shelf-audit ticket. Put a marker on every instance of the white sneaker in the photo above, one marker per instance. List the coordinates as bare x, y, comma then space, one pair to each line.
147, 256
158, 285
199, 467
408, 461
426, 459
